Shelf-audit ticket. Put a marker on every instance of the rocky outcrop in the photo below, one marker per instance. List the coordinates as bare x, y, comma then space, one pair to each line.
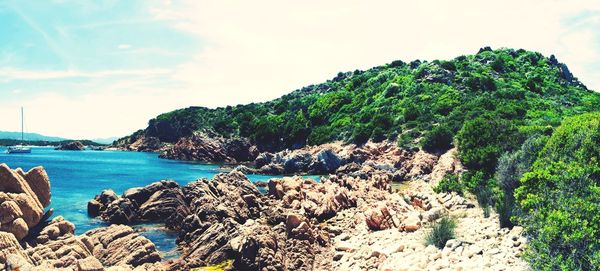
71, 146
316, 200
29, 242
311, 160
211, 148
117, 246
357, 161
23, 197
120, 245
448, 163
155, 202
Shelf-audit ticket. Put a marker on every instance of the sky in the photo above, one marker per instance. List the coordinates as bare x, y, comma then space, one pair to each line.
103, 68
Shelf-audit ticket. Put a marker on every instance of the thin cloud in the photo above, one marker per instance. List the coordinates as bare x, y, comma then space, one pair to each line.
21, 74
124, 46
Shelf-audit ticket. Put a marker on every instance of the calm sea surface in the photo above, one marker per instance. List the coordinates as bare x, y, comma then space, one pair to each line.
77, 176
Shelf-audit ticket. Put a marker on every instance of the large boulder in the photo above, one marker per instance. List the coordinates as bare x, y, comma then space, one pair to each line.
161, 205
155, 202
23, 197
121, 245
122, 211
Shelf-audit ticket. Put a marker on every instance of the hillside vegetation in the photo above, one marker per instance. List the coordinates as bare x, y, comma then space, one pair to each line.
400, 101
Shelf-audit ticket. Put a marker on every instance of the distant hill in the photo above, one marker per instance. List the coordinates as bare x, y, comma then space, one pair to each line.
105, 140
30, 136
12, 142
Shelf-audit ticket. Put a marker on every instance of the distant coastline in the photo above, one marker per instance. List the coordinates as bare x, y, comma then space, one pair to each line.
44, 143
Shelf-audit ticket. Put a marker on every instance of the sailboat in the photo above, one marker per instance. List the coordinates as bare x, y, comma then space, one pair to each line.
20, 148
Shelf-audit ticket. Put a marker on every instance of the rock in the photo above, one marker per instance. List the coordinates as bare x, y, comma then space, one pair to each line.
393, 213
411, 222
93, 208
38, 180
89, 264
121, 211
72, 146
9, 245
260, 250
453, 201
318, 200
57, 228
20, 207
119, 245
209, 147
162, 204
155, 202
328, 161
422, 164
448, 163
141, 194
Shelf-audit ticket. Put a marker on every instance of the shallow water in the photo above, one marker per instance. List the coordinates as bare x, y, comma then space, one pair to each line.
77, 176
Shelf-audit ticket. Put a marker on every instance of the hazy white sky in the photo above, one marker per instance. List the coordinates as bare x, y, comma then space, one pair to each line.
87, 69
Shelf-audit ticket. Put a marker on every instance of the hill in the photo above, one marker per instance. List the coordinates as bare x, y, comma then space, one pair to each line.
398, 101
30, 136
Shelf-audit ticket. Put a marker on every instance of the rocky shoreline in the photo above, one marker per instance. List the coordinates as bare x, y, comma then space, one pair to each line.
352, 219
28, 241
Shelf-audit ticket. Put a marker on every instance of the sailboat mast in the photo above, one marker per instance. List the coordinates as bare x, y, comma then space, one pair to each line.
22, 131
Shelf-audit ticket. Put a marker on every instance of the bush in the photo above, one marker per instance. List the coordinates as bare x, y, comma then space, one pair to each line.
361, 134
441, 232
437, 139
450, 183
481, 142
511, 167
560, 198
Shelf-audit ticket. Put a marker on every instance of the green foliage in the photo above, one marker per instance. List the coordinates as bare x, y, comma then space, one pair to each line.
441, 232
437, 139
472, 179
267, 128
450, 183
518, 88
483, 140
511, 167
560, 198
361, 134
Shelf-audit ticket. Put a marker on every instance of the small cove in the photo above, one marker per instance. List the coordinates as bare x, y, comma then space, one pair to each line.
77, 176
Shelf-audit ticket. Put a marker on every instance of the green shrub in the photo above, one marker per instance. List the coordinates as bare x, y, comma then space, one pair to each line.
361, 134
441, 232
560, 198
486, 211
437, 139
450, 183
511, 167
481, 142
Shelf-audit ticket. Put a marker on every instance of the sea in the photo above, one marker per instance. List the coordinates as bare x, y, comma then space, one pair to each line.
77, 176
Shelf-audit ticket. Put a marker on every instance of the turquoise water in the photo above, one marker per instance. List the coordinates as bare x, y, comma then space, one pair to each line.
77, 176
